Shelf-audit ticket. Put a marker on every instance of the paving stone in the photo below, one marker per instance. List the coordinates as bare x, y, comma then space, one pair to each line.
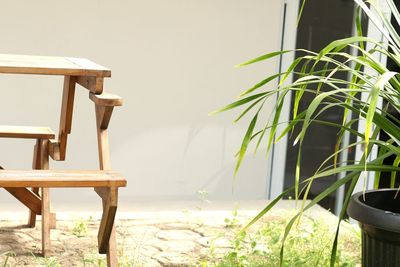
149, 241
210, 231
138, 232
172, 259
149, 251
4, 248
177, 235
151, 263
178, 226
181, 246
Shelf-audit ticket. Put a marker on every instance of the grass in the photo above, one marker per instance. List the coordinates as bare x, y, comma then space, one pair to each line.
309, 244
48, 261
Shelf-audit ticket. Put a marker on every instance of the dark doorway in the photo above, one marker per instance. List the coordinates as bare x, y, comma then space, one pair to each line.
322, 21
385, 177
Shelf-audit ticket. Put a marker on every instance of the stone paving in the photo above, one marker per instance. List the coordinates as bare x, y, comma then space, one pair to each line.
176, 238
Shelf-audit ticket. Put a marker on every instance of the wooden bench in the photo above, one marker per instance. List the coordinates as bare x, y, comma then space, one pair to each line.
108, 181
25, 185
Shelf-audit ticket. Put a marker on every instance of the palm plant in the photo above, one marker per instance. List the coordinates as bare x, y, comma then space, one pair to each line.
316, 70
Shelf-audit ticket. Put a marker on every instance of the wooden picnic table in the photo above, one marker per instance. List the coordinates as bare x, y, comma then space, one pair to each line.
24, 185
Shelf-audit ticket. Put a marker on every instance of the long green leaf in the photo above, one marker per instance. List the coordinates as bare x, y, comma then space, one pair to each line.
263, 57
245, 142
262, 83
374, 95
240, 102
396, 163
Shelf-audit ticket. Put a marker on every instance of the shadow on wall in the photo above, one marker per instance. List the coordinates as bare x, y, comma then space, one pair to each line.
194, 158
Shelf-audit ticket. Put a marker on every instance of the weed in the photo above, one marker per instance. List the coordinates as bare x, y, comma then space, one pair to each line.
80, 228
309, 244
233, 221
7, 256
94, 259
51, 262
47, 261
203, 196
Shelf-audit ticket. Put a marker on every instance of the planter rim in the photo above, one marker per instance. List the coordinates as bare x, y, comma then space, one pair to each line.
366, 214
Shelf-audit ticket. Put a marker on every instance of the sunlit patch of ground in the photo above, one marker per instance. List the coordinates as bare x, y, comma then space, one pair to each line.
185, 238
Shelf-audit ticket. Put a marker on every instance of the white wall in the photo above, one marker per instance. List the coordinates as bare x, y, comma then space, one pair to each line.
172, 61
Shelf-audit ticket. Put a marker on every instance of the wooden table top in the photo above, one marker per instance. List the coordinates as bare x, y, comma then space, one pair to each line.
43, 65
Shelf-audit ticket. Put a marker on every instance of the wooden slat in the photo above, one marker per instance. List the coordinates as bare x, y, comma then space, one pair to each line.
93, 84
102, 138
53, 178
107, 242
45, 222
27, 197
26, 132
36, 165
86, 64
107, 220
26, 64
103, 117
67, 107
106, 99
54, 149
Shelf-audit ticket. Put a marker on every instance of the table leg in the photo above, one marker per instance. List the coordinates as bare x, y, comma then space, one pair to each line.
106, 235
103, 115
45, 222
36, 165
46, 217
112, 257
40, 163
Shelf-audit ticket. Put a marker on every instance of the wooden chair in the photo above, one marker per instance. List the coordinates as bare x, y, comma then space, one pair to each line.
24, 184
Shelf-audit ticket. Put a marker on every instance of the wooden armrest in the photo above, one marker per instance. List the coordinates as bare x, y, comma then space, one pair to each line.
60, 178
106, 99
26, 132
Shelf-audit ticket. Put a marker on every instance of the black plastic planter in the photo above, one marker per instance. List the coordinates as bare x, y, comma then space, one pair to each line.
378, 212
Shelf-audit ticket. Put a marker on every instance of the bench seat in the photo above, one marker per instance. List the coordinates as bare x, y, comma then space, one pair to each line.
29, 132
63, 178
106, 184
